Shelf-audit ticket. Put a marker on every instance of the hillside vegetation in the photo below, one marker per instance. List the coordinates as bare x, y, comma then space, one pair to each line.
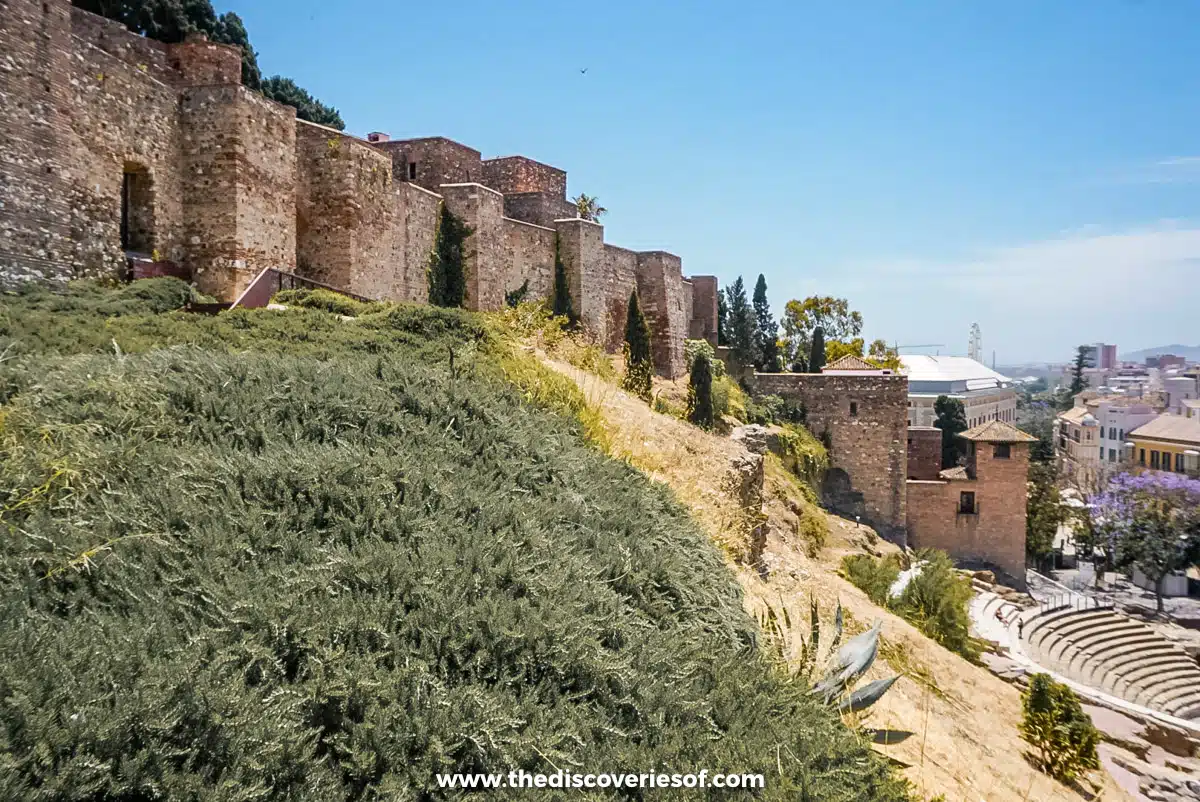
282, 555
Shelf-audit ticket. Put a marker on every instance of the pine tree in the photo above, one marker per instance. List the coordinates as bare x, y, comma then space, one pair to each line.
639, 369
740, 324
563, 307
447, 274
766, 329
1083, 360
816, 354
700, 398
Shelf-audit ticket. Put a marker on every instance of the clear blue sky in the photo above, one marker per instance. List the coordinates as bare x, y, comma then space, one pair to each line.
1033, 167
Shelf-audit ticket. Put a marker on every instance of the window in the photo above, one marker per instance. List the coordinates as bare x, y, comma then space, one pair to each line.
1142, 457
1179, 462
853, 408
1112, 455
966, 503
412, 171
1001, 451
1112, 432
1153, 459
1121, 436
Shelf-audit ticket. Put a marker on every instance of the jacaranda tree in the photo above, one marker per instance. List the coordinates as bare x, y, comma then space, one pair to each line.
1151, 521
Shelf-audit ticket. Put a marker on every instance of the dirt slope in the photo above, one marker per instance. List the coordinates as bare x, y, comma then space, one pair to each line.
964, 742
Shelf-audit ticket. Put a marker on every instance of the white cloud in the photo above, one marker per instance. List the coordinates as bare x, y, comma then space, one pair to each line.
1138, 287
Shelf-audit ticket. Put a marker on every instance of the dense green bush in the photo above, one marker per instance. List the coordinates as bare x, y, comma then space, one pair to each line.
935, 600
327, 300
1054, 723
278, 556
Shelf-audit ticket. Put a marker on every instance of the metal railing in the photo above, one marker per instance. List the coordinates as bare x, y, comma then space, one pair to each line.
1075, 601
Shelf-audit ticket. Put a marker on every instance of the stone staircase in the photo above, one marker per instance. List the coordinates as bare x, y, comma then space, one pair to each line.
1117, 655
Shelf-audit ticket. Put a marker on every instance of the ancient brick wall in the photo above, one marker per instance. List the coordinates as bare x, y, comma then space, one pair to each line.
240, 161
581, 248
540, 208
528, 256
864, 419
617, 277
517, 174
346, 214
703, 325
433, 161
482, 209
417, 211
995, 533
660, 289
198, 62
75, 118
924, 452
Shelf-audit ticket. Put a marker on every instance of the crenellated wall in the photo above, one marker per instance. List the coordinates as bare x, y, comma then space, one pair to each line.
114, 145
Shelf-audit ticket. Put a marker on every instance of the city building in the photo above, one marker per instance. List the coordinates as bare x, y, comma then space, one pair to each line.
1077, 446
975, 513
986, 395
1101, 356
1179, 388
1167, 443
1117, 416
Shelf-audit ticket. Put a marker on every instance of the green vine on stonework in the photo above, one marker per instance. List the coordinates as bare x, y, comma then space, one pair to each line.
446, 270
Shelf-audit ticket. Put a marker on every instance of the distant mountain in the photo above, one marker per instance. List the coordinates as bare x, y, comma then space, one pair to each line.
1188, 352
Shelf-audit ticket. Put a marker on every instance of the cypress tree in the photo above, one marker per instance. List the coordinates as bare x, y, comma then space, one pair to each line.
700, 400
951, 418
562, 289
722, 319
740, 323
766, 330
447, 275
816, 355
639, 370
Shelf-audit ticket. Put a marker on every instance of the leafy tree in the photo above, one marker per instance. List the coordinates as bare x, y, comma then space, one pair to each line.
951, 419
639, 369
1054, 723
700, 396
1037, 418
1083, 360
722, 319
1044, 513
816, 354
231, 31
883, 355
562, 305
836, 349
766, 330
284, 90
588, 207
447, 274
1153, 521
833, 315
741, 324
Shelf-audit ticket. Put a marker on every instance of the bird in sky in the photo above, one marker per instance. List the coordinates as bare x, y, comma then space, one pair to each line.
583, 71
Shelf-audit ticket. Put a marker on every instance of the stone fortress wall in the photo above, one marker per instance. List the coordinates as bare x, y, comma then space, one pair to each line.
113, 143
864, 421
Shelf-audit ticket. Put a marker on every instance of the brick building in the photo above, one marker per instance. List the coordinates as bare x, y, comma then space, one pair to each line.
117, 147
861, 415
976, 513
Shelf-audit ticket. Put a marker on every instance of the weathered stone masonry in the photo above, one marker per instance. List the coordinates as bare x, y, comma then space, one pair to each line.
864, 420
111, 143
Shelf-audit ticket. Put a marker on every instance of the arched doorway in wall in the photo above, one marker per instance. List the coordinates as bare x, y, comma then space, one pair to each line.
137, 209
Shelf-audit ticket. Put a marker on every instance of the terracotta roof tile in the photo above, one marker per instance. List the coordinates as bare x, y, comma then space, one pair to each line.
996, 431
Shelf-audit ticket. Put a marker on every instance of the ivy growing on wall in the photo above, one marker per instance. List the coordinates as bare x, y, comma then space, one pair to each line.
447, 273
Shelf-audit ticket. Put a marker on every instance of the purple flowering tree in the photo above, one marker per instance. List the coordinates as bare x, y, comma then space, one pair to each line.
1150, 520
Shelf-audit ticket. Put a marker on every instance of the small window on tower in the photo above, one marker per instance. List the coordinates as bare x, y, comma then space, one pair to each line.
853, 408
412, 171
1002, 451
966, 503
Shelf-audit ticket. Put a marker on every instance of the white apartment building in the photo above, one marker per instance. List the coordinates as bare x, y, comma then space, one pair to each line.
985, 394
1117, 417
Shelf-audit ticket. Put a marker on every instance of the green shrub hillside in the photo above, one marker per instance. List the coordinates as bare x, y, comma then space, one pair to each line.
282, 556
935, 600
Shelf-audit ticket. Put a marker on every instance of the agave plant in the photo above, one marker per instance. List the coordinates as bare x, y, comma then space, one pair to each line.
842, 666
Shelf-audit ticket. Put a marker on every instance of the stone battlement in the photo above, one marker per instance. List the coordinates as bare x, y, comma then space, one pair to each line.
118, 144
